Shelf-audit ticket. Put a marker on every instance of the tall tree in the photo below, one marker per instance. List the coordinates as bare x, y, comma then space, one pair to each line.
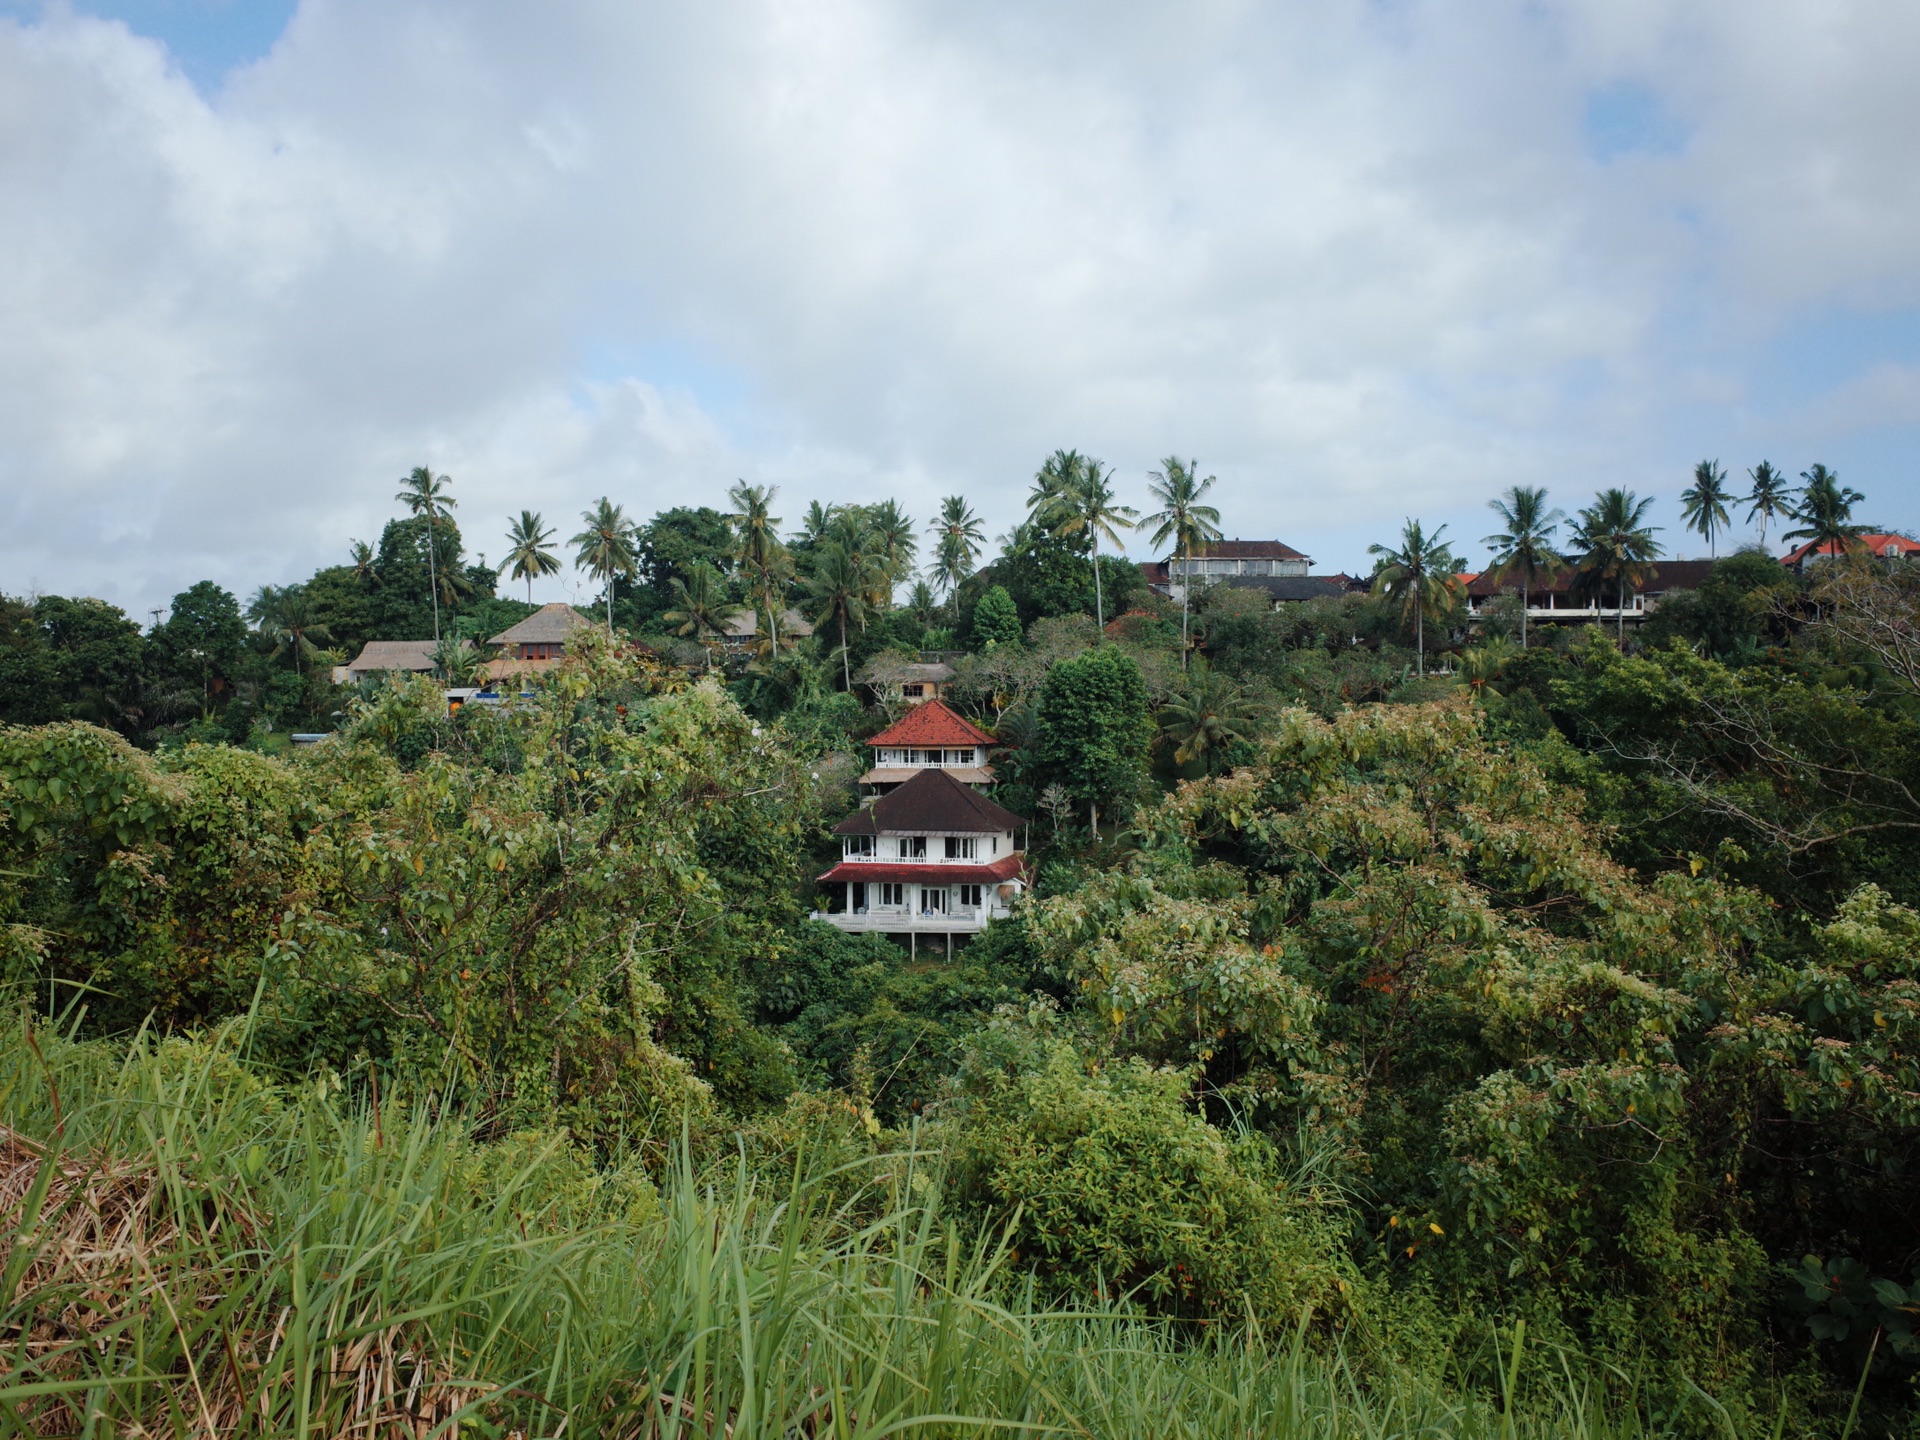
1825, 512
1094, 729
759, 550
1614, 544
1526, 545
529, 550
1073, 497
844, 575
606, 547
700, 605
426, 494
1703, 505
957, 538
895, 543
285, 615
1769, 497
1422, 575
364, 567
1181, 519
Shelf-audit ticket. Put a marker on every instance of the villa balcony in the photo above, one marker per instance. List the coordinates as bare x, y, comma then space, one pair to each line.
902, 920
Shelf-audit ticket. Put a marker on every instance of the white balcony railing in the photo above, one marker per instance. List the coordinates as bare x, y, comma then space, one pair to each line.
894, 920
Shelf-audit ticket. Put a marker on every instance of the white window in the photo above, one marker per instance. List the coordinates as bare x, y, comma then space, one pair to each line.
960, 757
932, 901
962, 847
970, 896
912, 847
893, 896
860, 847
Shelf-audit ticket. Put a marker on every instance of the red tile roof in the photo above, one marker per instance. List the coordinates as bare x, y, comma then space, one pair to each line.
930, 725
1007, 867
1899, 545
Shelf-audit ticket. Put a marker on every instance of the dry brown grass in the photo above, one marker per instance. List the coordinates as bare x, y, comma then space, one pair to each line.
106, 1252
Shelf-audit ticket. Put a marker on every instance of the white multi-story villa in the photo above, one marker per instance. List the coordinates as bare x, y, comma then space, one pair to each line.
931, 856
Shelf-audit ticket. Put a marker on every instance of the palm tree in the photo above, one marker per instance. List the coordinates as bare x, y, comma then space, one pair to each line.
1081, 501
1423, 576
458, 662
1484, 663
1704, 504
364, 567
425, 493
813, 524
529, 551
700, 604
1182, 519
1206, 717
957, 537
893, 530
1769, 497
921, 602
1825, 512
606, 548
845, 573
758, 548
1614, 544
286, 616
1526, 545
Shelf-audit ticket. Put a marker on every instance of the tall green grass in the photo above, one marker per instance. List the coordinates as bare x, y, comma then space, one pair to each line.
191, 1251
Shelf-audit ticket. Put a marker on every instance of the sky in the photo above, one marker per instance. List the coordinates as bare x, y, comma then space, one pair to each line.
1364, 259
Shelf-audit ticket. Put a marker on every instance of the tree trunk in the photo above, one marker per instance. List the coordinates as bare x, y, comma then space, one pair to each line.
1093, 817
1523, 609
1183, 624
1419, 636
1099, 609
846, 668
433, 580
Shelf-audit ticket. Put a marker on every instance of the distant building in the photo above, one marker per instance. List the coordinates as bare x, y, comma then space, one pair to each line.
744, 627
929, 737
1270, 565
1550, 597
537, 643
1886, 547
932, 856
389, 657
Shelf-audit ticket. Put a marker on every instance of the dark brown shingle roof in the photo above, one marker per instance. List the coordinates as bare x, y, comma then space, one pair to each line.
931, 803
1247, 550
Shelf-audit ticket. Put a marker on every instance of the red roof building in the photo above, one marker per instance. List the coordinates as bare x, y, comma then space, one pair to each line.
929, 736
932, 855
1886, 547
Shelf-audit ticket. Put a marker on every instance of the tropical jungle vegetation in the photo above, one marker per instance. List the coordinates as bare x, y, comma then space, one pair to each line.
1421, 1023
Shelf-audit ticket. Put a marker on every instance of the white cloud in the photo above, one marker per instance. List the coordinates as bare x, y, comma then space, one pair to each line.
1359, 257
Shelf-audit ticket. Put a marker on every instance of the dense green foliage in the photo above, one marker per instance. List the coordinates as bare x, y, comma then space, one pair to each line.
1574, 983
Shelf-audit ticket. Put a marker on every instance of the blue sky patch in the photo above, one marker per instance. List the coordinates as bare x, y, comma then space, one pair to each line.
1630, 119
207, 38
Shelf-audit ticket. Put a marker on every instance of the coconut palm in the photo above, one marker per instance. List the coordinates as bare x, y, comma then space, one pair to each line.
1703, 505
1825, 512
365, 568
957, 536
895, 541
286, 616
845, 575
458, 661
1614, 545
759, 551
1422, 576
1484, 664
1079, 500
529, 550
922, 603
425, 493
1769, 498
1526, 545
700, 605
607, 547
1206, 717
1181, 519
813, 525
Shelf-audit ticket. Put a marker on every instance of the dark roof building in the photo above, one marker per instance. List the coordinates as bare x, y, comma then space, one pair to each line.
932, 802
